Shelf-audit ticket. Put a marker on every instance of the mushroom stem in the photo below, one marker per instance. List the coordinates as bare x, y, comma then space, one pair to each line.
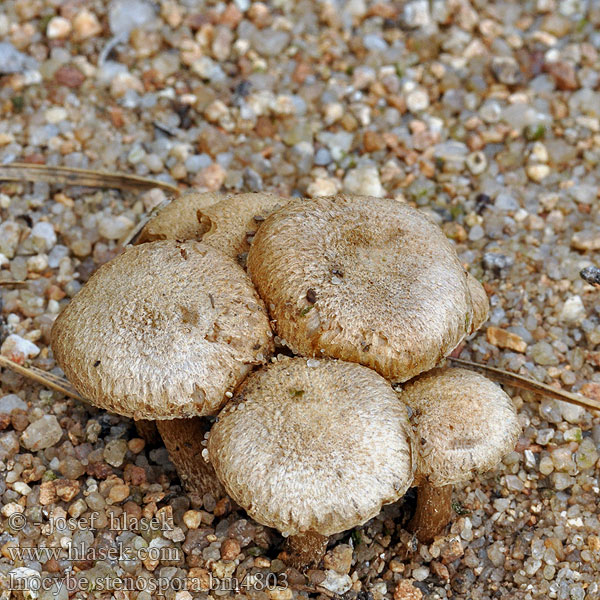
183, 439
304, 549
148, 431
434, 507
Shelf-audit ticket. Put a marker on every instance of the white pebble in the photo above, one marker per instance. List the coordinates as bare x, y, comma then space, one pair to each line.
18, 349
573, 310
43, 233
58, 28
417, 100
538, 173
364, 181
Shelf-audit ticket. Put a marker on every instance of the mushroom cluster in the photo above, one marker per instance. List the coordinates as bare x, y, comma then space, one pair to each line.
362, 297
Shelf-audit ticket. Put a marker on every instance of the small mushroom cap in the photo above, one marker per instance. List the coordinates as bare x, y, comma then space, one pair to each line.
368, 280
464, 424
231, 222
162, 331
313, 448
178, 220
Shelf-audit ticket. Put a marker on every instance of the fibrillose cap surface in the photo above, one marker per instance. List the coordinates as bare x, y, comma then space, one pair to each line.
178, 220
464, 424
313, 448
224, 221
369, 280
232, 221
162, 331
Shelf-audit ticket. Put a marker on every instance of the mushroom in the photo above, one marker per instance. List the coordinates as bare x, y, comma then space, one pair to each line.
224, 221
178, 219
312, 448
464, 424
367, 280
233, 221
165, 331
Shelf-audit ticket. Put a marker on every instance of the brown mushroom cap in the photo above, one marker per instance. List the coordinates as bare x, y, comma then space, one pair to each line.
313, 445
231, 222
178, 220
224, 221
464, 424
369, 280
162, 331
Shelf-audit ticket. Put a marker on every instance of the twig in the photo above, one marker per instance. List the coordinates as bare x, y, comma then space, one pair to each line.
541, 389
84, 177
54, 382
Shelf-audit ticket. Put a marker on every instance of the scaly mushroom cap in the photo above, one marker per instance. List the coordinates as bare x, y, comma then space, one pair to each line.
179, 219
234, 220
464, 423
368, 280
162, 331
315, 445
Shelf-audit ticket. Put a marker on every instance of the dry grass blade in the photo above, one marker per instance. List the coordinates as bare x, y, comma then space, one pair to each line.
541, 389
84, 177
9, 282
48, 379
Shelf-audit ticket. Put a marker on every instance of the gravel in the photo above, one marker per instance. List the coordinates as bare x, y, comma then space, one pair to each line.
484, 114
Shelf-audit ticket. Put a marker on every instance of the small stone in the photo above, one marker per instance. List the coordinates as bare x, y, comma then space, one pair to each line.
573, 310
587, 455
505, 339
476, 162
416, 14
405, 590
543, 354
373, 141
269, 42
322, 186
563, 74
364, 181
58, 28
136, 445
192, 519
280, 593
21, 488
126, 15
537, 173
546, 465
420, 573
586, 240
539, 153
11, 402
114, 452
47, 493
43, 236
339, 559
506, 70
118, 492
43, 433
56, 114
230, 549
13, 61
86, 25
9, 238
417, 100
66, 489
114, 228
70, 77
18, 349
544, 436
476, 233
210, 178
562, 481
336, 583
